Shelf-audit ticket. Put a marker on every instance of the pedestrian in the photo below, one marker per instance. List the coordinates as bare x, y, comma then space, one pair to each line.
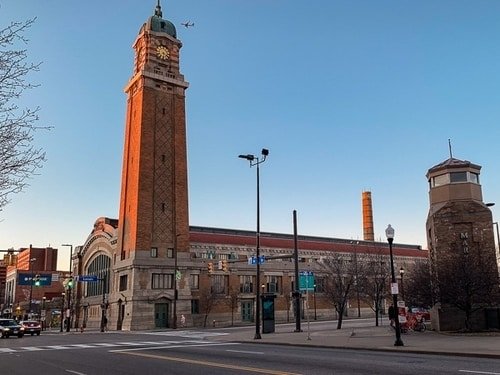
183, 321
392, 315
105, 321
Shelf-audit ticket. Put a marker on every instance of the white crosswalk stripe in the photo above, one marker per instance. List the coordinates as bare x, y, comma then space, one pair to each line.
186, 334
97, 345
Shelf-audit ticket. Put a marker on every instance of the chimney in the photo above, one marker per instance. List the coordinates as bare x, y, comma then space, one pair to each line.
368, 234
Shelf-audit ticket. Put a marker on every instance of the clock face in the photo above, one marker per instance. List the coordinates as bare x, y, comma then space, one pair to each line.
162, 52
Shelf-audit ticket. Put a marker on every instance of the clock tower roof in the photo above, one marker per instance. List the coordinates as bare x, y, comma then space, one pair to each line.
158, 24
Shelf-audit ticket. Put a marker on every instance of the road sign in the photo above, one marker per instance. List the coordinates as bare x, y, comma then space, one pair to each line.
253, 260
27, 279
306, 281
86, 278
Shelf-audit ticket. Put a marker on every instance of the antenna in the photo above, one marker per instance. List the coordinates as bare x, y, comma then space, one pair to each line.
449, 147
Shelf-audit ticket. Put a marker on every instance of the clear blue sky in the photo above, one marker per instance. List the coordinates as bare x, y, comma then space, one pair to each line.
347, 96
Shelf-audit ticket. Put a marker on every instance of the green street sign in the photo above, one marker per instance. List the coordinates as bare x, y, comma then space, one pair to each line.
306, 281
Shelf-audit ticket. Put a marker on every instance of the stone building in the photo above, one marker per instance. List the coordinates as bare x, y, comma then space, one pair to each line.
236, 286
461, 247
150, 267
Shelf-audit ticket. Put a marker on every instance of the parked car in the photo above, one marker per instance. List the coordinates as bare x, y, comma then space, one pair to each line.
9, 327
422, 312
31, 326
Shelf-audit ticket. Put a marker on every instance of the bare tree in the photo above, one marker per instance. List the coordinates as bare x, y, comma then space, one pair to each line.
287, 296
340, 272
468, 280
207, 301
375, 278
418, 292
232, 301
19, 159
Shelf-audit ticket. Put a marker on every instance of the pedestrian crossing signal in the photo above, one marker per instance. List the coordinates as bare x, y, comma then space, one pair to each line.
70, 283
225, 266
210, 266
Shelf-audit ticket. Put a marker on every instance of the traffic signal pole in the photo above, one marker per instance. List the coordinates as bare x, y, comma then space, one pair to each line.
297, 288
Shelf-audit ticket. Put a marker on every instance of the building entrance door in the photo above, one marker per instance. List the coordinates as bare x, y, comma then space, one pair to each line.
246, 311
161, 315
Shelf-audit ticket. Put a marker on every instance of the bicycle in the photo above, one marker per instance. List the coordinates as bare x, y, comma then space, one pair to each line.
413, 323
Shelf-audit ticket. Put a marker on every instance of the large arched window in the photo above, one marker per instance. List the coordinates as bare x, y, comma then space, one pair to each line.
99, 267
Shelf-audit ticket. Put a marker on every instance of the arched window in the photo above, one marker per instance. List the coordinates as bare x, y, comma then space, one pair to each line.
99, 267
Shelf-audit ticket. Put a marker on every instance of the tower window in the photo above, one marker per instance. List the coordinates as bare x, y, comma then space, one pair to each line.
440, 180
458, 177
163, 110
163, 158
474, 177
163, 207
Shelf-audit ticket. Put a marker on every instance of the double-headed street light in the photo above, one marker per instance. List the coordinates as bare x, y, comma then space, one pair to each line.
255, 162
389, 232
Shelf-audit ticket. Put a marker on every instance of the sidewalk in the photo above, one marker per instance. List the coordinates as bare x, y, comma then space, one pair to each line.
379, 338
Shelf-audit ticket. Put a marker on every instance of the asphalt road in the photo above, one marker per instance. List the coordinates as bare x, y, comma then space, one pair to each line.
195, 352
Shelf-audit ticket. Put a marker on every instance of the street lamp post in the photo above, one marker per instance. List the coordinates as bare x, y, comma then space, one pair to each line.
389, 232
31, 286
68, 326
401, 273
44, 299
314, 301
254, 161
103, 305
62, 309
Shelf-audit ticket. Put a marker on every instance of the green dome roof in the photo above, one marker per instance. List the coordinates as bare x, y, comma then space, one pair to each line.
158, 24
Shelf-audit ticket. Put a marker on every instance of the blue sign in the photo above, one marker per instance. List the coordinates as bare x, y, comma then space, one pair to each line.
253, 260
86, 278
26, 279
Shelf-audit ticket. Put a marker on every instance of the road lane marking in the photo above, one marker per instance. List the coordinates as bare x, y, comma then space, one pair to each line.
31, 348
76, 372
243, 351
480, 372
7, 350
198, 344
212, 364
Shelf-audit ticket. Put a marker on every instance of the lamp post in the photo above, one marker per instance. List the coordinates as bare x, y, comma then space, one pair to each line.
43, 314
62, 309
31, 285
68, 326
314, 301
103, 305
177, 276
357, 276
255, 162
402, 273
389, 232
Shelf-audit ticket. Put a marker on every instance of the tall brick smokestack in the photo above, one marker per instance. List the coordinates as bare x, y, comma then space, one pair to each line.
368, 232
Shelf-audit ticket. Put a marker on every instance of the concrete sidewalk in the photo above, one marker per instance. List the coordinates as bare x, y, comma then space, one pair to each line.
378, 338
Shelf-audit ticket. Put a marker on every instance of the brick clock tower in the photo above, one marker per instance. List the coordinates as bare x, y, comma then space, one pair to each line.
153, 232
461, 247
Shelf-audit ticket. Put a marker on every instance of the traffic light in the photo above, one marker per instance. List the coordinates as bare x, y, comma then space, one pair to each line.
210, 266
36, 279
225, 266
70, 283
